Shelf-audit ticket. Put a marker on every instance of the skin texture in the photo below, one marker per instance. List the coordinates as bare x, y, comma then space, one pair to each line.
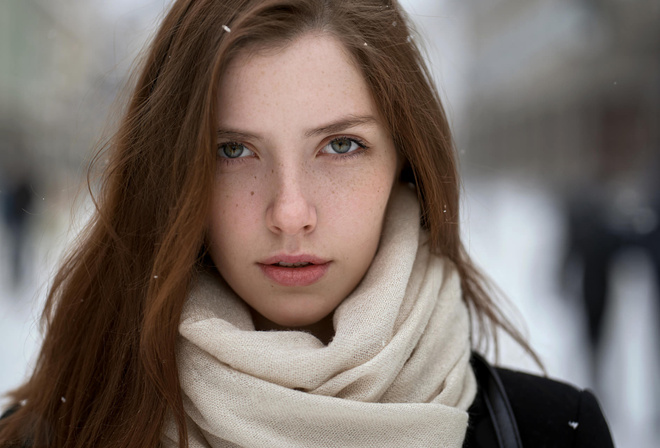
289, 191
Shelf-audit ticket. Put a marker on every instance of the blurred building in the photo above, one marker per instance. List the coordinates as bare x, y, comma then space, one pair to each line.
566, 92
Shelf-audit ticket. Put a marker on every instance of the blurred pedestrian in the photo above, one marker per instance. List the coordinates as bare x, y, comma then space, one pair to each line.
614, 210
16, 202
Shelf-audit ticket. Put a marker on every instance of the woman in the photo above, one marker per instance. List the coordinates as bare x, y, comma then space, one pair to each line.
276, 259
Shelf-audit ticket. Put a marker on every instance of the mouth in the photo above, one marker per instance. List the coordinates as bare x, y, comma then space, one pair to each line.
292, 265
289, 261
294, 270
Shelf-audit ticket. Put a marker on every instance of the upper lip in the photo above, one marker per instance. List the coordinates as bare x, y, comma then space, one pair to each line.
302, 258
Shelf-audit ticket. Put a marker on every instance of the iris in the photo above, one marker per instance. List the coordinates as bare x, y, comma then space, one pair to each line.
341, 145
231, 150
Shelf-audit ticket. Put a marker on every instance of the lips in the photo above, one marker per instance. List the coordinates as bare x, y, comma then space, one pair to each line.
294, 270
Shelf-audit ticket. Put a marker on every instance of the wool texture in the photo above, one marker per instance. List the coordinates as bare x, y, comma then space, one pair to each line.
396, 373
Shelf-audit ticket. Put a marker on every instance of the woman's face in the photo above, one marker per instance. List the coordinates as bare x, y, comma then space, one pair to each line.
305, 169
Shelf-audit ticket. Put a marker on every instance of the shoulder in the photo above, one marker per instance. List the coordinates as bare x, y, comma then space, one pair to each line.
547, 413
545, 407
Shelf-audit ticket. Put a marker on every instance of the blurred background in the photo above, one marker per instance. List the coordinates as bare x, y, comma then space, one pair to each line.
555, 106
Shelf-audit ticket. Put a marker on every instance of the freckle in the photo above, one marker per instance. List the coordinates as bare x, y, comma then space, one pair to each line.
252, 193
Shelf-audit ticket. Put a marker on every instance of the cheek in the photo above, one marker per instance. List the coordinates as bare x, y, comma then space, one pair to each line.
232, 219
361, 202
357, 203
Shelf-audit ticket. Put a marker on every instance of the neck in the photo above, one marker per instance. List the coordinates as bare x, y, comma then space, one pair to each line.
323, 329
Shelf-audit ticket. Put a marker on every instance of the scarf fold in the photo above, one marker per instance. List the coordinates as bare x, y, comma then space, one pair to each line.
396, 374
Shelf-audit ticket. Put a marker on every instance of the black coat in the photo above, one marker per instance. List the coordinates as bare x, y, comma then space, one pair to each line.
544, 413
514, 409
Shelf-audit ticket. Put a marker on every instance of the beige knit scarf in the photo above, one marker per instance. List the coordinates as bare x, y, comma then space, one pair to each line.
396, 374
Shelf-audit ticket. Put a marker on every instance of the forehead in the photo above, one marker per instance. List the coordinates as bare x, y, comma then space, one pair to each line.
313, 79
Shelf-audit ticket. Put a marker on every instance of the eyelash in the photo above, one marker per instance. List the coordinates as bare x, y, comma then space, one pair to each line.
358, 152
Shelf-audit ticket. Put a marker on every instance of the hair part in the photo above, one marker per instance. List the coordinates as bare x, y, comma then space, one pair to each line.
106, 374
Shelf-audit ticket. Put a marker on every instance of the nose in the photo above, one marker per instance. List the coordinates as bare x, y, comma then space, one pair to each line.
291, 212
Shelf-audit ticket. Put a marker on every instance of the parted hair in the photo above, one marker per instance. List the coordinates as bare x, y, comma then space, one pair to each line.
106, 375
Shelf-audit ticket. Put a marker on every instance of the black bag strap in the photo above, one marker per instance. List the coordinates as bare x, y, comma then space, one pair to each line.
497, 403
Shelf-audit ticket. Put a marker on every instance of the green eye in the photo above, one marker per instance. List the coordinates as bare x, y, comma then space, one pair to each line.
341, 145
231, 150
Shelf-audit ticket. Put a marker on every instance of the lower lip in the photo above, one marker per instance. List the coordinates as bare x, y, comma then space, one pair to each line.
304, 276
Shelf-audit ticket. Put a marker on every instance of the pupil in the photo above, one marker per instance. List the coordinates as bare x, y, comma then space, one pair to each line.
341, 146
232, 150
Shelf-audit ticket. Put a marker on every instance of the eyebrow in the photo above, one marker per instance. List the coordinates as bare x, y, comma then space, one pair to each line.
237, 135
342, 124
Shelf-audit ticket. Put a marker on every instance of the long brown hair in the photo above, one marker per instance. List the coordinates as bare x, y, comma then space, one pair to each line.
107, 374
